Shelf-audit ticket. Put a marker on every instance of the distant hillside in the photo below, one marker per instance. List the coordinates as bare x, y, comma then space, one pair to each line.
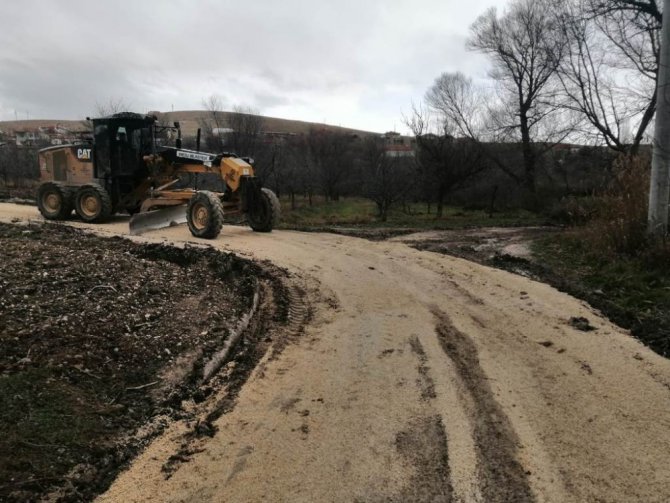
189, 124
9, 126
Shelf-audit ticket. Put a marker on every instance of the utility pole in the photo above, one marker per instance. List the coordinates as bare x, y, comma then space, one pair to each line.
659, 190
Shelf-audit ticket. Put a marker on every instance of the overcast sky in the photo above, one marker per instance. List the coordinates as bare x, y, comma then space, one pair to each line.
351, 63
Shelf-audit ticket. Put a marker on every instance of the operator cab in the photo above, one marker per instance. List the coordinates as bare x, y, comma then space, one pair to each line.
121, 140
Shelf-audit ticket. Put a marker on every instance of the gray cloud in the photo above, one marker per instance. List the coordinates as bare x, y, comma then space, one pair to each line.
348, 62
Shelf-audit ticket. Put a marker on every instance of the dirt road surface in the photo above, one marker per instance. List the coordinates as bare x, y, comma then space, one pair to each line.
422, 377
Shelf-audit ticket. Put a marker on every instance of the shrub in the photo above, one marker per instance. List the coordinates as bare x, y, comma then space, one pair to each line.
573, 210
620, 221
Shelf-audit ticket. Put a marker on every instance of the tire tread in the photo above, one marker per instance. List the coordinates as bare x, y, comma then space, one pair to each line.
215, 223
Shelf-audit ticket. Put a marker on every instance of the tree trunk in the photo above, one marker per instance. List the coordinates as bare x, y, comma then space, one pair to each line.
529, 160
382, 209
441, 192
644, 122
493, 201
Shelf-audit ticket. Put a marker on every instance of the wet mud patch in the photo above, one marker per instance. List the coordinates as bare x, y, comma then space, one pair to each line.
424, 445
581, 323
502, 478
101, 341
481, 245
369, 233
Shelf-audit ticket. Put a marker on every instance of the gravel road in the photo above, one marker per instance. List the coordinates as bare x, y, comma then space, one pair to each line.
422, 377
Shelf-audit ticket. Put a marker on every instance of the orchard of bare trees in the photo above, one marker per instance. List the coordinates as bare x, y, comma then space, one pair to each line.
571, 86
578, 72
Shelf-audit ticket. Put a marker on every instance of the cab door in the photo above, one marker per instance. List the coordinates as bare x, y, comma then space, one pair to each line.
102, 152
60, 165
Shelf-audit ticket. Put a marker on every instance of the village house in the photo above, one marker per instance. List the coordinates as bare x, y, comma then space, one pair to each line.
397, 145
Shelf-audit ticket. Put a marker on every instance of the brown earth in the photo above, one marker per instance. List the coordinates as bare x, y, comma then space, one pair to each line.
421, 377
98, 337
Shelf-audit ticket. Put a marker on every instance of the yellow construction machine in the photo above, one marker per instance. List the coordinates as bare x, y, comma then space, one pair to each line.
126, 168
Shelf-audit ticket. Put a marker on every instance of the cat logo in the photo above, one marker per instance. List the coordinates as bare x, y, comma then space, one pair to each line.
84, 154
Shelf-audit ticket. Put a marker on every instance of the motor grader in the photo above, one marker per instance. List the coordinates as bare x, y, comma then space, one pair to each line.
127, 168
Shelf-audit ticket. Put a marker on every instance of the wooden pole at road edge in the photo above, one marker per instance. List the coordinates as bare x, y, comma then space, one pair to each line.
659, 190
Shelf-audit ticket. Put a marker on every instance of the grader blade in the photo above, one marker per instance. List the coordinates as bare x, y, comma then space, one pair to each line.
157, 219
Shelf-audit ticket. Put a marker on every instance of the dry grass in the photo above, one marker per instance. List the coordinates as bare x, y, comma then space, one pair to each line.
620, 224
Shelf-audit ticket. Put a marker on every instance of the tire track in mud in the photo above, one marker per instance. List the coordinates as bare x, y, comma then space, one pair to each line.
501, 477
298, 311
424, 382
281, 315
424, 445
298, 314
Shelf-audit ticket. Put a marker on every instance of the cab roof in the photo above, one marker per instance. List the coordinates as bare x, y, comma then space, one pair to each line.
124, 118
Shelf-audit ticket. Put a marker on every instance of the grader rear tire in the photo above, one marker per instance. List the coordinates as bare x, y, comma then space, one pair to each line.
264, 217
204, 215
93, 203
54, 200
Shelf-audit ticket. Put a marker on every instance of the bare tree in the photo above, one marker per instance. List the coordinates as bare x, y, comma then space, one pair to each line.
471, 112
635, 7
112, 106
331, 155
460, 103
213, 123
247, 125
609, 70
287, 172
306, 177
387, 177
271, 163
447, 162
18, 165
102, 109
526, 46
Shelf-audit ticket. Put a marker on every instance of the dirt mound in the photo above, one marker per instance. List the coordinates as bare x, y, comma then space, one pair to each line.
98, 336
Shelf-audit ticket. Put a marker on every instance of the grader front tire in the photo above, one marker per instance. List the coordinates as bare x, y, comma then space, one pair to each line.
264, 217
204, 215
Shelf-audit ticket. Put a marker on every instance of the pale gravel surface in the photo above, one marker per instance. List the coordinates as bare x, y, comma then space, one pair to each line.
430, 378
